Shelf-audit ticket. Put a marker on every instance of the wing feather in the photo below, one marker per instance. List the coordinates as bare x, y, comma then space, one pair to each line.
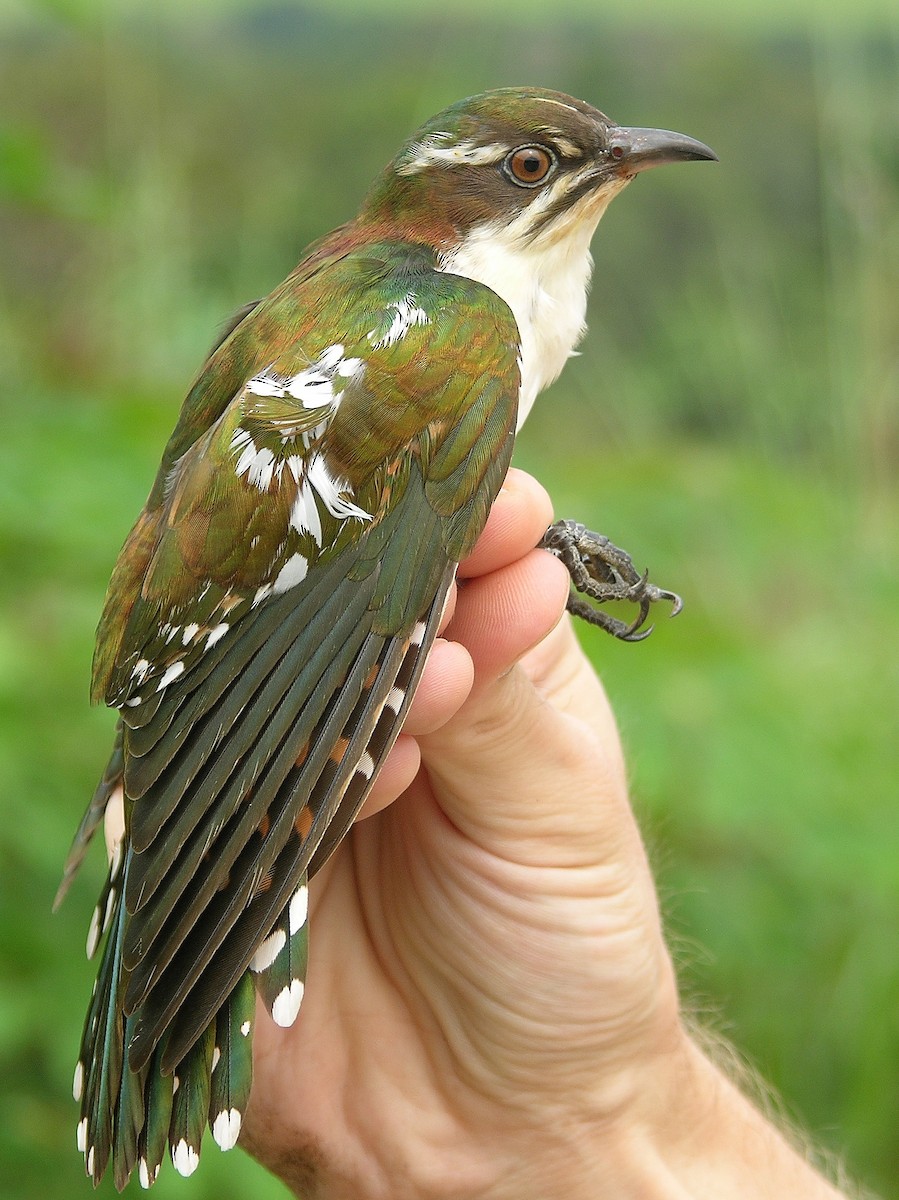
219, 836
263, 637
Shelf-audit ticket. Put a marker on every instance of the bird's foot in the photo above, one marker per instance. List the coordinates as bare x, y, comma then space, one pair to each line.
601, 571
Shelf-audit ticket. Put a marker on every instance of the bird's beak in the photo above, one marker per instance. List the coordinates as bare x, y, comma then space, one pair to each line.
633, 150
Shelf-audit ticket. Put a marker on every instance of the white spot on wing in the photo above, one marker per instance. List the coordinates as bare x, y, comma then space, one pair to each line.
312, 388
406, 315
292, 573
287, 1004
81, 1135
395, 698
247, 457
329, 487
418, 634
259, 466
143, 1174
245, 1029
78, 1085
304, 514
190, 632
140, 669
265, 384
216, 635
216, 1055
176, 669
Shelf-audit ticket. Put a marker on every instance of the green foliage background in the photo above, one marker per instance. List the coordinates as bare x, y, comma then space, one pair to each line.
733, 421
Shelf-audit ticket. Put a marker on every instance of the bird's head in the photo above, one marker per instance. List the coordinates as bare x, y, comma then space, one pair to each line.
536, 164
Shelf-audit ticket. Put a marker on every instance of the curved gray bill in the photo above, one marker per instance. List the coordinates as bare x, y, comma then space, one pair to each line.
638, 149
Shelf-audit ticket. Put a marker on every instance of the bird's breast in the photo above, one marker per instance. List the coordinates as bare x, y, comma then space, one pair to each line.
546, 289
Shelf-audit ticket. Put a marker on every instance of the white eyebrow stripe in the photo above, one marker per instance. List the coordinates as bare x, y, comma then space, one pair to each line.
430, 152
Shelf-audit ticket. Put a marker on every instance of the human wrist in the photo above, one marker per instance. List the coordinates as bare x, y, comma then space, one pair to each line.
692, 1135
698, 1137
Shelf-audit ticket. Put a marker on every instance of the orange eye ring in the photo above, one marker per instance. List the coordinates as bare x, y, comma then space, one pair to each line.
528, 166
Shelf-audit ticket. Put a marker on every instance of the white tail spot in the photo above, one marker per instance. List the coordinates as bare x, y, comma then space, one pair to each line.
287, 1004
226, 1128
185, 1158
93, 933
418, 634
268, 951
298, 909
366, 765
143, 1174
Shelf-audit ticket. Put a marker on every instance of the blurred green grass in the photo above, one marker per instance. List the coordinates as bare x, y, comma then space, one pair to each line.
732, 421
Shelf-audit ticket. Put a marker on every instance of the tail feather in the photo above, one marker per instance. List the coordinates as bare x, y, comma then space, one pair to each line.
100, 1060
129, 1120
154, 1134
232, 1063
280, 962
94, 814
190, 1105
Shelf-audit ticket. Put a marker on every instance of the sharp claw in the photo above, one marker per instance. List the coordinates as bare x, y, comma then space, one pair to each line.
601, 571
637, 635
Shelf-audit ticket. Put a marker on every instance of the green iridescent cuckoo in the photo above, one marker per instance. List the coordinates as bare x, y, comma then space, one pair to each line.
269, 616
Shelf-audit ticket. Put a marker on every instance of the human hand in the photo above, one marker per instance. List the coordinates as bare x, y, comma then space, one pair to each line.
490, 1009
488, 983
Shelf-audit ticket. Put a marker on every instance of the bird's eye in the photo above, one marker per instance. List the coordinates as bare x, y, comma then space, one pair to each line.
529, 165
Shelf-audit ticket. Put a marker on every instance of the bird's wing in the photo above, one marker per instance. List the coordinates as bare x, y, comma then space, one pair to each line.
295, 573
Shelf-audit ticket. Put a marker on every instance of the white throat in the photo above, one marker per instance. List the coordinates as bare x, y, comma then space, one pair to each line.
544, 281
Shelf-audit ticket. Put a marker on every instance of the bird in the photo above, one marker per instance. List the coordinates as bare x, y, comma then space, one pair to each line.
269, 616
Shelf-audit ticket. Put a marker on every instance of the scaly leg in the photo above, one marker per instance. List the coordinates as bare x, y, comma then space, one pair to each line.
603, 572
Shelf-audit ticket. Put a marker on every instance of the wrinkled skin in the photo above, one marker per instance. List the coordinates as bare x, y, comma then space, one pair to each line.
449, 936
